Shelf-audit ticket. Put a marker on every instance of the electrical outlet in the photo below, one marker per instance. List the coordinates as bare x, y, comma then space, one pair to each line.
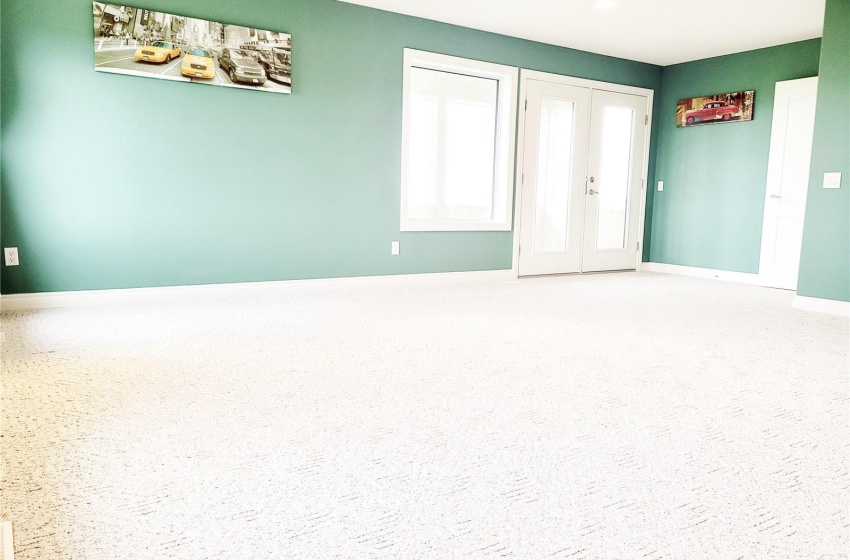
660, 186
831, 180
7, 550
394, 248
11, 255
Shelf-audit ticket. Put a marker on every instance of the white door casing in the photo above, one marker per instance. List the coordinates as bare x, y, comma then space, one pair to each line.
787, 182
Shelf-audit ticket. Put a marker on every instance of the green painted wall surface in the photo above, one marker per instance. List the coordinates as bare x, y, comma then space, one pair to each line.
825, 258
710, 212
113, 181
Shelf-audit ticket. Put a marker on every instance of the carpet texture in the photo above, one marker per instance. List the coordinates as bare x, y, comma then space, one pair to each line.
619, 416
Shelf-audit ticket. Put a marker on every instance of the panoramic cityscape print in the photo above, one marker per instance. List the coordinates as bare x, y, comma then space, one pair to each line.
153, 44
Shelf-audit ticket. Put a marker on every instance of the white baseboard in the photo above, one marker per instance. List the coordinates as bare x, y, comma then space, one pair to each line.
728, 276
17, 302
831, 306
7, 549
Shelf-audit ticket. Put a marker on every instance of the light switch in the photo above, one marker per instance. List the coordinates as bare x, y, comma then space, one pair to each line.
394, 248
831, 180
660, 186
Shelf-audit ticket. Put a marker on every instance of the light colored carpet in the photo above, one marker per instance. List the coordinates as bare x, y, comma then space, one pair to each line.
619, 416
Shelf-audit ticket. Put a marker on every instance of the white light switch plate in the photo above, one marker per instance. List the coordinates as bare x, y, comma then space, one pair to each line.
831, 180
394, 248
660, 186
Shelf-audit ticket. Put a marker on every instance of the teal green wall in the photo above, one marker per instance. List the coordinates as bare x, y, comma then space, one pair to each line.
825, 258
113, 181
710, 212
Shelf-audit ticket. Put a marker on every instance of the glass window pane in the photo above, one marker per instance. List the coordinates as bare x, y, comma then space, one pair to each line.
452, 145
554, 176
470, 148
422, 164
614, 169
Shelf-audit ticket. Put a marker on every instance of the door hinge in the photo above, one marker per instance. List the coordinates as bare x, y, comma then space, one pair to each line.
526, 104
646, 119
638, 245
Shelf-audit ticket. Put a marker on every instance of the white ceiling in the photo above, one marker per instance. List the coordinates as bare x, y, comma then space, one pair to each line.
656, 31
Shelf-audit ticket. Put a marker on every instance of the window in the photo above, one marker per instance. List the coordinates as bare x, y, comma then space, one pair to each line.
459, 122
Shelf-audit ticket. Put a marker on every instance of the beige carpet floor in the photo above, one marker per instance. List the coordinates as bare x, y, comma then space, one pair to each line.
619, 416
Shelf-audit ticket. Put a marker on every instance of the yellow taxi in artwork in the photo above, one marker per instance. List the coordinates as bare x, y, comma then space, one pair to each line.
160, 51
198, 63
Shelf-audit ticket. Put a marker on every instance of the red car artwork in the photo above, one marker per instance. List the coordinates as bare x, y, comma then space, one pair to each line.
712, 111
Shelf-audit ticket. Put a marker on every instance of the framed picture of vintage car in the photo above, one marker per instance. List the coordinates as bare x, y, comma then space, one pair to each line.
718, 108
141, 42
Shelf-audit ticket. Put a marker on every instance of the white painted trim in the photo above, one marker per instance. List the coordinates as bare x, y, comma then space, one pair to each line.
17, 302
518, 168
524, 76
582, 82
7, 552
803, 303
819, 305
507, 77
727, 275
650, 101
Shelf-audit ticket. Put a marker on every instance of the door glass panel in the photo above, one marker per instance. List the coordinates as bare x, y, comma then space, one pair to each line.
614, 170
554, 176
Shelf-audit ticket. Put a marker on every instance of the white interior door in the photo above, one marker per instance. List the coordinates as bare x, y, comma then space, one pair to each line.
554, 160
787, 182
614, 181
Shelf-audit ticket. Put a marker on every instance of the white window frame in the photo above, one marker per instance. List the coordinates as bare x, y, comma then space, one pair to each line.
506, 119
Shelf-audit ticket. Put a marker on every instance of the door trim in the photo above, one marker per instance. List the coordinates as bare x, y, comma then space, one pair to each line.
524, 76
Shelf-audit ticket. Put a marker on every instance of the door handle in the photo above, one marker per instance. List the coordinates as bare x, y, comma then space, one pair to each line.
775, 196
591, 191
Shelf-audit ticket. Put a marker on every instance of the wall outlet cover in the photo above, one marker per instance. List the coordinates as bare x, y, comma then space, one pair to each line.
660, 186
10, 254
7, 552
832, 180
394, 248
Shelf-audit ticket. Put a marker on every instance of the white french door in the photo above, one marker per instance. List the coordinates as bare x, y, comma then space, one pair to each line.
787, 182
615, 171
553, 168
582, 164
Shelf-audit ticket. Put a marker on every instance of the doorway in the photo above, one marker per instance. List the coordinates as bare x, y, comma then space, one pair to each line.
581, 178
787, 182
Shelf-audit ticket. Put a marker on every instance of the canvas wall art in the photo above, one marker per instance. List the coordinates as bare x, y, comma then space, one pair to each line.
719, 108
166, 46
